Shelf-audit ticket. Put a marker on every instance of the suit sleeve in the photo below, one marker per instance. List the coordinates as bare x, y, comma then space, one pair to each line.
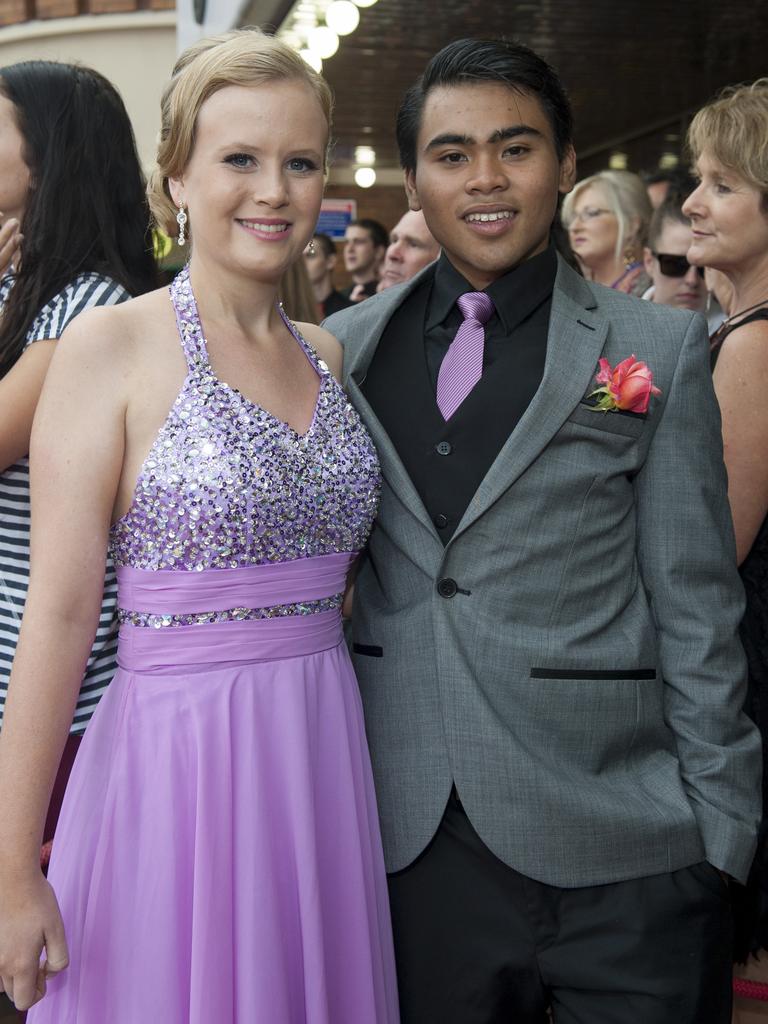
687, 558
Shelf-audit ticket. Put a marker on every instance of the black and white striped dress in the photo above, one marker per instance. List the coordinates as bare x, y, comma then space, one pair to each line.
83, 293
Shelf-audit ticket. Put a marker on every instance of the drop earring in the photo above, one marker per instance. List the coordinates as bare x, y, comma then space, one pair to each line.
181, 220
311, 247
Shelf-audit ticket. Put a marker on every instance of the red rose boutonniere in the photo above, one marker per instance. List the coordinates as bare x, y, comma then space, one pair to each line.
628, 386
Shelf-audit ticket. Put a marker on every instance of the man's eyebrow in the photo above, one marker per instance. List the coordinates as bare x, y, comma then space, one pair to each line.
449, 139
500, 135
514, 131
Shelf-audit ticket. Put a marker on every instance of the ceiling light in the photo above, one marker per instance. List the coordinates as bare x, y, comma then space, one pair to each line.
365, 177
342, 16
312, 59
364, 3
323, 41
668, 161
365, 155
618, 161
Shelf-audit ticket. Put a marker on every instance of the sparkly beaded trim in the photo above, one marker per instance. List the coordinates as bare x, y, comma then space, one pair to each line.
275, 611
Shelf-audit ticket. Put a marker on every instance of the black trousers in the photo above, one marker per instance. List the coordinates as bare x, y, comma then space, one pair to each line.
478, 943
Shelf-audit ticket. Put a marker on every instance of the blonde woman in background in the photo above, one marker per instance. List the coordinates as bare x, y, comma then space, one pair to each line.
607, 217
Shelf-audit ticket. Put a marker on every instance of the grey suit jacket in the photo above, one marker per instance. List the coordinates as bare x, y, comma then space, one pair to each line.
583, 687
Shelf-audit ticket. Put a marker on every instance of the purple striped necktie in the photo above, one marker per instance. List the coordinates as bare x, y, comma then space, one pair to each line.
462, 366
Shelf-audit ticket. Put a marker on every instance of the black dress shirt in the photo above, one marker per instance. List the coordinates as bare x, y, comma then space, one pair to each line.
333, 302
448, 460
369, 289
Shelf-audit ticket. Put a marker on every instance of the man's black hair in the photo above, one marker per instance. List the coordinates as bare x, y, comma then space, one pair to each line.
325, 242
477, 61
669, 210
379, 234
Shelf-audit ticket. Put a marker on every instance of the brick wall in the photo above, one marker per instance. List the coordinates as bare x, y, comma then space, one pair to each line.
13, 12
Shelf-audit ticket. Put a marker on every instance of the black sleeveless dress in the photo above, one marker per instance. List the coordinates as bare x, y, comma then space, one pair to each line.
751, 903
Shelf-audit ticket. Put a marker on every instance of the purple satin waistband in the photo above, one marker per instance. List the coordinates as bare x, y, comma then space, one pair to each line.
178, 592
181, 648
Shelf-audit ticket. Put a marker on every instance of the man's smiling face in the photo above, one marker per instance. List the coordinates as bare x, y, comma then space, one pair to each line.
487, 177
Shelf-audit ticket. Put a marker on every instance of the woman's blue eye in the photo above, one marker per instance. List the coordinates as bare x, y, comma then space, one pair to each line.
239, 160
301, 163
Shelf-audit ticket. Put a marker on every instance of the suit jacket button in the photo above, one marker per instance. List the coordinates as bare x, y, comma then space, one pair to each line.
441, 521
446, 587
444, 448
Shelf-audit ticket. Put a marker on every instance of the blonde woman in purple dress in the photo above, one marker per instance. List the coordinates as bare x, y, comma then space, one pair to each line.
218, 855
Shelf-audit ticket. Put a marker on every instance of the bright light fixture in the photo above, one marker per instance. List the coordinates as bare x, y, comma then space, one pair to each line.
365, 177
365, 155
323, 41
364, 3
668, 161
618, 161
342, 16
312, 59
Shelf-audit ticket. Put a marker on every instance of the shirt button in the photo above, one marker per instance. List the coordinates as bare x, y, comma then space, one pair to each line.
446, 587
444, 448
441, 521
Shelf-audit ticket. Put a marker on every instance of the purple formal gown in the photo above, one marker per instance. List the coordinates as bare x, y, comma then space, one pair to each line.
218, 858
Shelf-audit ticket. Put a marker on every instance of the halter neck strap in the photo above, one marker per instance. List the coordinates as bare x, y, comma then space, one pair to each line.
188, 321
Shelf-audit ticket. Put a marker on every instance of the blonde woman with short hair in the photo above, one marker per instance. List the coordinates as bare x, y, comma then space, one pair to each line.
728, 140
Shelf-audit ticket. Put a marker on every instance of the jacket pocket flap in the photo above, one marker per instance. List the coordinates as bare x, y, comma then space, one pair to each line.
611, 422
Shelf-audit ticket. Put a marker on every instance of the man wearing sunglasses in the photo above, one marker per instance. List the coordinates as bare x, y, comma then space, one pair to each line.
675, 281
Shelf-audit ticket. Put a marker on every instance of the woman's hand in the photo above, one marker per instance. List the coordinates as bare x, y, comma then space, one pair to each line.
30, 921
10, 245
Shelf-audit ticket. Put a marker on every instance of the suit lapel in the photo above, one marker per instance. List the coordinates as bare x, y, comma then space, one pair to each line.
574, 344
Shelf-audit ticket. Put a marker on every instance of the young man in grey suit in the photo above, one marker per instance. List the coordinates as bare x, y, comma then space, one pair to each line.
545, 622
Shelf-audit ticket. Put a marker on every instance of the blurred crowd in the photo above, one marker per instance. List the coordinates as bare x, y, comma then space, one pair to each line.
622, 229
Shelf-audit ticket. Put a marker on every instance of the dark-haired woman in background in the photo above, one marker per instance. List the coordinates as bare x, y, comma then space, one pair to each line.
75, 234
729, 218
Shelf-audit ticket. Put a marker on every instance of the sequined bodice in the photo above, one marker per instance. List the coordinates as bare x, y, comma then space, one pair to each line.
226, 484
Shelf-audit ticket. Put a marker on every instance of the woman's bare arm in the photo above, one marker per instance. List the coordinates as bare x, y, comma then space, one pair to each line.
20, 392
76, 457
741, 385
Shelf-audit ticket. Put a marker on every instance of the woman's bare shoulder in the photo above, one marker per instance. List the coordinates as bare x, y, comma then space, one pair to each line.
746, 346
117, 335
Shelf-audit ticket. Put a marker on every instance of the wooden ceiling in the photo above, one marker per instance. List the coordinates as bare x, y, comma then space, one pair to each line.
635, 69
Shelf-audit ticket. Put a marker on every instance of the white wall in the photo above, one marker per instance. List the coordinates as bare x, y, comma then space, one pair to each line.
134, 51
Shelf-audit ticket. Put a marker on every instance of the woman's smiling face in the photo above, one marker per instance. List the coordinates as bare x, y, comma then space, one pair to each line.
728, 218
254, 182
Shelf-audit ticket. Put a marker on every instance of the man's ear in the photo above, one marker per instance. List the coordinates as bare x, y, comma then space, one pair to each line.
567, 170
409, 180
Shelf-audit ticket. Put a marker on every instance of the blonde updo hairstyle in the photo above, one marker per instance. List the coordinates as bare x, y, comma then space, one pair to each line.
241, 57
733, 129
626, 197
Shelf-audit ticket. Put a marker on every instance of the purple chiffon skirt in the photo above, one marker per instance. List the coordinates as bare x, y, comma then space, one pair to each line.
218, 859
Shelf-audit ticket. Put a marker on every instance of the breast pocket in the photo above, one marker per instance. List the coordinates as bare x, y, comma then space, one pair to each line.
625, 423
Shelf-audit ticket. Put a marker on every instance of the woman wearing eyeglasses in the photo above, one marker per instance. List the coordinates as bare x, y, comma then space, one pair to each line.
729, 217
607, 217
675, 282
